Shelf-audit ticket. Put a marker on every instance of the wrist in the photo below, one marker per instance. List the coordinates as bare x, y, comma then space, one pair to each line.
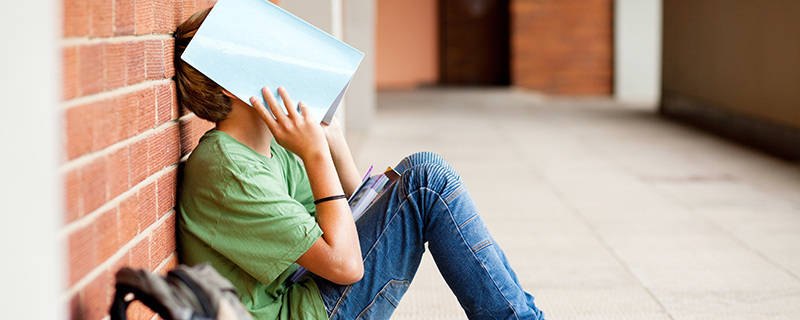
334, 139
316, 156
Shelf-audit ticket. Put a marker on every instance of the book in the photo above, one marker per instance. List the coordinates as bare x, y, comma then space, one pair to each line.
366, 193
245, 45
369, 190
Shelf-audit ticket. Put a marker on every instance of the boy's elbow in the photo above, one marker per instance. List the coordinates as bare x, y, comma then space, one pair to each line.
352, 273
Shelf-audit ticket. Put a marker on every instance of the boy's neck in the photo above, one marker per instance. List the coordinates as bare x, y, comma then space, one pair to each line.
245, 125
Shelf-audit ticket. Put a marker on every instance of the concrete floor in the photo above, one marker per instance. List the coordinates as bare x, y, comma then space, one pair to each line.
605, 211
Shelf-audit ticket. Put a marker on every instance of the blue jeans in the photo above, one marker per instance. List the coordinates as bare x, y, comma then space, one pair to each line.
428, 203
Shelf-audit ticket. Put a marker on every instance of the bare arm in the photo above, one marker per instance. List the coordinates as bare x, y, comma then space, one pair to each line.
342, 158
336, 255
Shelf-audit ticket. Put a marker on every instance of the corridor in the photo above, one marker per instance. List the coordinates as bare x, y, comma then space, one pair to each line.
605, 211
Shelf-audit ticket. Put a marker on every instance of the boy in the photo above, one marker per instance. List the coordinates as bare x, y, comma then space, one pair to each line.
248, 206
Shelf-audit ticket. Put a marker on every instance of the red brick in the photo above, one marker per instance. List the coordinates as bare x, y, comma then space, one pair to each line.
140, 254
155, 155
138, 311
154, 60
162, 242
163, 148
97, 297
102, 18
93, 184
118, 172
129, 218
169, 57
168, 264
122, 262
107, 124
72, 191
165, 191
147, 109
70, 72
79, 130
175, 107
191, 130
115, 65
189, 8
106, 228
135, 71
139, 162
82, 253
145, 16
76, 18
562, 47
128, 105
177, 13
147, 206
124, 17
164, 16
165, 101
172, 150
91, 69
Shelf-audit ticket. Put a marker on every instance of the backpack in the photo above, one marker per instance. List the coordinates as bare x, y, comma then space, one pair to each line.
185, 293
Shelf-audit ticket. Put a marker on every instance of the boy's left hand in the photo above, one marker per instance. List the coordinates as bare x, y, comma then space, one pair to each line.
333, 131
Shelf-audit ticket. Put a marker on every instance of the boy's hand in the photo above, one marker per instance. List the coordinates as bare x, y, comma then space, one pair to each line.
333, 132
299, 132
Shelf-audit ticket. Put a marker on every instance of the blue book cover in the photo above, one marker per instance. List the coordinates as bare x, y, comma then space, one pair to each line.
245, 45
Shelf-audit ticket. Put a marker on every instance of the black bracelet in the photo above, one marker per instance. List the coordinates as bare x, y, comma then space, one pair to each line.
336, 197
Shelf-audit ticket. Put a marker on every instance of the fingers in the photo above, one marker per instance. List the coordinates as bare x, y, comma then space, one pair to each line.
263, 112
304, 110
273, 114
288, 103
273, 105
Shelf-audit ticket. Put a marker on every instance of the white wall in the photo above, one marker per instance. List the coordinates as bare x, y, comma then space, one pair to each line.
637, 51
352, 21
325, 15
359, 32
30, 195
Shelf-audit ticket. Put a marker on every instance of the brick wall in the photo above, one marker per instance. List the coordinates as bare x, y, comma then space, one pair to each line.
562, 46
123, 138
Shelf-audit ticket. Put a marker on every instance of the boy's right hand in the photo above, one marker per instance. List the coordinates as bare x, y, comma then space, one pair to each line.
299, 132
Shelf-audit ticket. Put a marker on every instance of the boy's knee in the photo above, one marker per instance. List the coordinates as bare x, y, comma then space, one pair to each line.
426, 158
423, 157
433, 176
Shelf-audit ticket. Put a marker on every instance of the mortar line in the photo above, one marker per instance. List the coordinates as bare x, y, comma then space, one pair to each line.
92, 216
100, 96
75, 41
100, 268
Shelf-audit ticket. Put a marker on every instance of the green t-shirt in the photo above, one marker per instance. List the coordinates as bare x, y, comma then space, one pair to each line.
252, 217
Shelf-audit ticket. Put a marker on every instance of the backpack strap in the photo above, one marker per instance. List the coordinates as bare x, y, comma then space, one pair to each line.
152, 290
186, 293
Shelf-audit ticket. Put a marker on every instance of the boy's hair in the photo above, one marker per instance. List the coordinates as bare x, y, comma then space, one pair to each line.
197, 92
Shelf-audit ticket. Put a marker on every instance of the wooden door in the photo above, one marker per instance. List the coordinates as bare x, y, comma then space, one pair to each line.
474, 42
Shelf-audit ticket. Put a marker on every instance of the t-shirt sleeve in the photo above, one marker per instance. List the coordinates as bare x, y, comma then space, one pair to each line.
262, 229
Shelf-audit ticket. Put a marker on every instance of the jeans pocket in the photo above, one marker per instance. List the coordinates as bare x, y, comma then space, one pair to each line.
387, 299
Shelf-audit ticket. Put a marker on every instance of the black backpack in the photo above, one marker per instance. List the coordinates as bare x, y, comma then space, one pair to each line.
185, 293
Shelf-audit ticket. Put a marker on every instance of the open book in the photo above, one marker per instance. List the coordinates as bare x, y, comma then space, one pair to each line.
366, 193
245, 45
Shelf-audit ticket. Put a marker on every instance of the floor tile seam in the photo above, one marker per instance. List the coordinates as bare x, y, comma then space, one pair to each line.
616, 256
574, 211
598, 237
699, 162
730, 234
699, 214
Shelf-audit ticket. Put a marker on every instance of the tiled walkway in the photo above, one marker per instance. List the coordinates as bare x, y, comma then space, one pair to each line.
605, 211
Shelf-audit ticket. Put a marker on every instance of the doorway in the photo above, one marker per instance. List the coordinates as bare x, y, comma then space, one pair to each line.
474, 42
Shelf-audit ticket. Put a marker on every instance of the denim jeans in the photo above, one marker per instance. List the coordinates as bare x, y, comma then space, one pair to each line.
428, 203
